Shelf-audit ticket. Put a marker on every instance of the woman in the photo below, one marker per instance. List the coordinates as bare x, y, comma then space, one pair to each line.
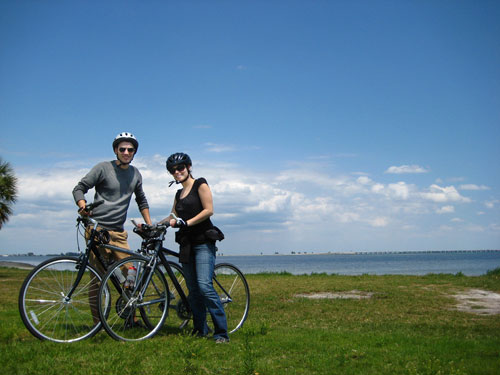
192, 208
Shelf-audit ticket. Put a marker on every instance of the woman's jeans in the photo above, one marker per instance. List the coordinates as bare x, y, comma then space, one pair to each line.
202, 295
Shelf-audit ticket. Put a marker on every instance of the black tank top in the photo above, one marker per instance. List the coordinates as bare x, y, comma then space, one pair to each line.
190, 206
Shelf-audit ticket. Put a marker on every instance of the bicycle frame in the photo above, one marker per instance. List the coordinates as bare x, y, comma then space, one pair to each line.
153, 252
92, 246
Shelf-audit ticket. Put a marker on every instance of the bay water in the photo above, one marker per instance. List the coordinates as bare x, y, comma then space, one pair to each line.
470, 263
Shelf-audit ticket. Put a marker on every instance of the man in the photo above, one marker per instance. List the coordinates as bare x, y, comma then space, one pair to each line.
115, 182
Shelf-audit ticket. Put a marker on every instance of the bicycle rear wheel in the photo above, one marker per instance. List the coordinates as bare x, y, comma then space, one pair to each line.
46, 311
233, 290
138, 312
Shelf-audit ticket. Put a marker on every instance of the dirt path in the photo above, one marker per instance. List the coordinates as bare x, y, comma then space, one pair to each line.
478, 301
474, 301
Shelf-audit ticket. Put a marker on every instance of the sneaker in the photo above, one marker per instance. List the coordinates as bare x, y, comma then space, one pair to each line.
221, 340
197, 333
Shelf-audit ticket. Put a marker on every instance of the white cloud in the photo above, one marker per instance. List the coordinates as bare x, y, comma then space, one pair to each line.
494, 227
378, 188
363, 180
440, 194
475, 228
399, 190
50, 184
406, 169
473, 187
213, 147
445, 210
379, 222
283, 207
492, 203
445, 228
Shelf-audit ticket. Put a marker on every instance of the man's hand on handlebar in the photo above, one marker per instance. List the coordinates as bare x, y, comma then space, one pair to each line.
85, 210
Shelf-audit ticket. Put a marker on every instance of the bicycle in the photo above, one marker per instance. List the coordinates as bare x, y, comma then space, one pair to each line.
150, 298
58, 298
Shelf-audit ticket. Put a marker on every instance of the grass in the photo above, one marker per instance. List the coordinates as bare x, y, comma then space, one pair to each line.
409, 326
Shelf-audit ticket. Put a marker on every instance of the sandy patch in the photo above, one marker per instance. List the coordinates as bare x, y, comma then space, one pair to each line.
477, 301
353, 294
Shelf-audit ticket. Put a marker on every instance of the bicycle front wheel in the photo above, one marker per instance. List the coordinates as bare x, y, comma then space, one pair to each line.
46, 310
233, 290
137, 311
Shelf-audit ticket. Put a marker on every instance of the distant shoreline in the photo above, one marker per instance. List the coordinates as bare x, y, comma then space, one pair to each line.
24, 266
298, 253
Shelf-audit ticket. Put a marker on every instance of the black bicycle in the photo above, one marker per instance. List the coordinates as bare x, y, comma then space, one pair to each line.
139, 310
58, 299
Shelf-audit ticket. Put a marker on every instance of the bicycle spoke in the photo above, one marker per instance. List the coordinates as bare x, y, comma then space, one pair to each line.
43, 305
234, 293
138, 313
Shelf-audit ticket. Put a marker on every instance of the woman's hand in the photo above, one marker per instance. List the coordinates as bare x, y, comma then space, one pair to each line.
179, 223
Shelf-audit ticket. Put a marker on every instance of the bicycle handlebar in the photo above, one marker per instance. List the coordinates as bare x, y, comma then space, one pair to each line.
88, 209
147, 231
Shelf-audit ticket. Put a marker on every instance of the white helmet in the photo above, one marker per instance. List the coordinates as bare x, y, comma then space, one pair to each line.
125, 137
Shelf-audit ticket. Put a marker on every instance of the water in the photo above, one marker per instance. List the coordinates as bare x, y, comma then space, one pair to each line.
469, 263
417, 263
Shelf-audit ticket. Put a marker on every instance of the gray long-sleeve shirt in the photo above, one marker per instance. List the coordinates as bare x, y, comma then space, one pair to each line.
115, 186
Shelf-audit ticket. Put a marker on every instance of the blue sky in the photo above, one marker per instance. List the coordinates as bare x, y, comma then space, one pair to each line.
320, 125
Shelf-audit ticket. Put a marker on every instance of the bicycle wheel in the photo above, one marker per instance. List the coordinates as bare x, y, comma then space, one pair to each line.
46, 311
138, 311
178, 315
234, 293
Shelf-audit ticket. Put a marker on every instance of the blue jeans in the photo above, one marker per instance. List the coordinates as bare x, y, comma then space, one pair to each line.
202, 295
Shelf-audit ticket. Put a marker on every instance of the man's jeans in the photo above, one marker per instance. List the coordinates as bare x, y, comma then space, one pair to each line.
202, 295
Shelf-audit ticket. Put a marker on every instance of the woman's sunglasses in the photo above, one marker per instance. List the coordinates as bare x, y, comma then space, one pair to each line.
178, 168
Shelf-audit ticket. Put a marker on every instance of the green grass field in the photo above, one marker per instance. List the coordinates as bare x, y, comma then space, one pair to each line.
408, 325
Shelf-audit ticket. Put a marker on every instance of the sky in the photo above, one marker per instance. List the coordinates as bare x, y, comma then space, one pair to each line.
319, 125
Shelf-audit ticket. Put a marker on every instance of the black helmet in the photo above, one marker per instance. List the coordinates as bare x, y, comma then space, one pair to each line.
177, 159
125, 137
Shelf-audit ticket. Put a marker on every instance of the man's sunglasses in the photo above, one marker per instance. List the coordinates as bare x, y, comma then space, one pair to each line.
178, 168
129, 149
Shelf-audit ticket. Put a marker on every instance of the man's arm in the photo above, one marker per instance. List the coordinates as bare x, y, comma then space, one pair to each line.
145, 215
85, 184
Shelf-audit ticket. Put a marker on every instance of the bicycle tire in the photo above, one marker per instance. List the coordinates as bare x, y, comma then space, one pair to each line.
232, 288
44, 310
121, 308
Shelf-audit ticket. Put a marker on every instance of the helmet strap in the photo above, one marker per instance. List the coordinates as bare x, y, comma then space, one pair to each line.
179, 182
